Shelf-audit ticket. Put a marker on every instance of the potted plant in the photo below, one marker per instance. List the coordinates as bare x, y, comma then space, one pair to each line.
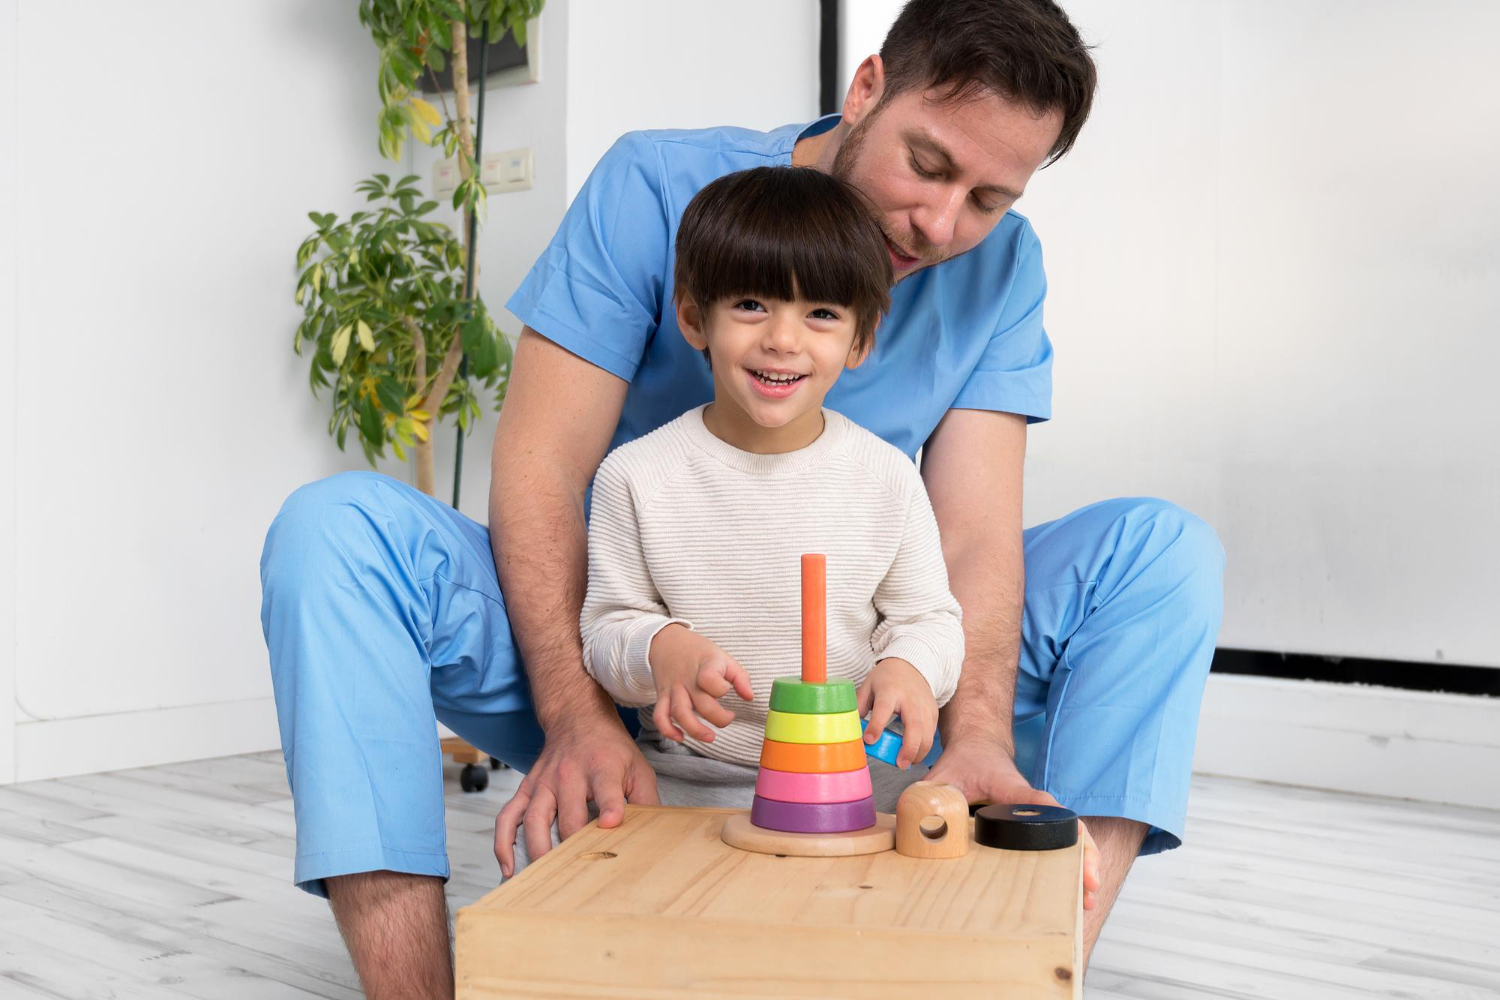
391, 319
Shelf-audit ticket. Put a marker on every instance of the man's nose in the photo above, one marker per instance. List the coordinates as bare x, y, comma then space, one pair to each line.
936, 220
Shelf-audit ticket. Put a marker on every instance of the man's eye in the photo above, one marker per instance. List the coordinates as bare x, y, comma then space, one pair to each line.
824, 314
925, 174
986, 208
750, 304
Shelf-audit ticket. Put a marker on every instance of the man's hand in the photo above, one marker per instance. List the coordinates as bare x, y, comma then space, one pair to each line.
592, 761
984, 771
895, 687
692, 674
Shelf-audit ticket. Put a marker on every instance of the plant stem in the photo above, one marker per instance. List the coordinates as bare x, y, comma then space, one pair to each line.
426, 466
449, 368
473, 242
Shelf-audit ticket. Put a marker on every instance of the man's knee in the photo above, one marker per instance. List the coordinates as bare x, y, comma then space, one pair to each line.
317, 522
1183, 549
1168, 527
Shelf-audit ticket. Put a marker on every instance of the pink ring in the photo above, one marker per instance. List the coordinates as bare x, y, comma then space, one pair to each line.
836, 786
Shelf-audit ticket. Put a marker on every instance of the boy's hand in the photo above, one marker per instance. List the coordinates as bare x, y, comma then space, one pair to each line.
691, 675
895, 687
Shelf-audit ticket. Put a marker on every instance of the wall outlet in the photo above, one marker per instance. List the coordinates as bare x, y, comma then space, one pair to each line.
502, 172
507, 170
445, 179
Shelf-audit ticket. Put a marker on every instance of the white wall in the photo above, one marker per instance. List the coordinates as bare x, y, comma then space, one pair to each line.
149, 216
1275, 299
9, 44
685, 64
160, 192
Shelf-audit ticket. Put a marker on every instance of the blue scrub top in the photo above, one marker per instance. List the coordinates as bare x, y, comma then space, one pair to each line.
964, 334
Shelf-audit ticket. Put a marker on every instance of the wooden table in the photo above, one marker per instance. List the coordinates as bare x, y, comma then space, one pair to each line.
659, 907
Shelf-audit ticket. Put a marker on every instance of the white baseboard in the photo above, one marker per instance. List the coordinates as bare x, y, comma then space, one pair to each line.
1352, 738
56, 748
1378, 741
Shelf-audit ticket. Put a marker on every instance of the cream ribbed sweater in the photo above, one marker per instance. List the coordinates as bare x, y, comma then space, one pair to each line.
687, 528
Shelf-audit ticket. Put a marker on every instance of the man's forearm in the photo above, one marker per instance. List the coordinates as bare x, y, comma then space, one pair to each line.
540, 541
989, 586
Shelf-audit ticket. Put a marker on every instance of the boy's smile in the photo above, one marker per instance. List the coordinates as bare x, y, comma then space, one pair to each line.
773, 363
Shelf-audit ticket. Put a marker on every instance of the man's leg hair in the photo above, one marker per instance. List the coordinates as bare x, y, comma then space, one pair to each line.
395, 926
1119, 841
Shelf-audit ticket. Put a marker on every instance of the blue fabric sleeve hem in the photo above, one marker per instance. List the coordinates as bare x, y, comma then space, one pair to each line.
572, 340
1034, 408
312, 869
1166, 824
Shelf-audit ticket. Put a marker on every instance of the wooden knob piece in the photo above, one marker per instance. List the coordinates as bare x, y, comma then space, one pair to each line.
932, 821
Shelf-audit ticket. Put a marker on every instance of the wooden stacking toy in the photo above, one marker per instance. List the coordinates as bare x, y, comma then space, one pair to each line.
813, 794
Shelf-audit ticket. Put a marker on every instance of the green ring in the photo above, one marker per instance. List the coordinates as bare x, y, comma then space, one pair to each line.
791, 695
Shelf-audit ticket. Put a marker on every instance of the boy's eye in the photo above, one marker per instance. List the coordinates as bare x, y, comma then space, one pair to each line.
750, 304
824, 314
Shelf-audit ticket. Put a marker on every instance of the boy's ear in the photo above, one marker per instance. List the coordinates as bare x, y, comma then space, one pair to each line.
859, 352
690, 322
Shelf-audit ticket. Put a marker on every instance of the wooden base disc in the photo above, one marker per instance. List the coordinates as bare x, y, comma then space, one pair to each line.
740, 832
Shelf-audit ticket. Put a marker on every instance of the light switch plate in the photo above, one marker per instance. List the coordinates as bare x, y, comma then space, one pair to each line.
445, 179
507, 170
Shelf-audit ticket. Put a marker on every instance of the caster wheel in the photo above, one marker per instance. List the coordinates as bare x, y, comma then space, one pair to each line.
496, 764
473, 778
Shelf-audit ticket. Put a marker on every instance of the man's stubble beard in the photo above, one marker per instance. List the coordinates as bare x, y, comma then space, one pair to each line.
843, 168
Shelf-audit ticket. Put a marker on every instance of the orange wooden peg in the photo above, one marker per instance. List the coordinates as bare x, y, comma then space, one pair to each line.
814, 620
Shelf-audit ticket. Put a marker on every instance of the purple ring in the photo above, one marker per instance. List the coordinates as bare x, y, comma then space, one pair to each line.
813, 817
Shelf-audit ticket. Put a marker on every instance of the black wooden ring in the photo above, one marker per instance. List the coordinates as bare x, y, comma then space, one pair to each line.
1026, 827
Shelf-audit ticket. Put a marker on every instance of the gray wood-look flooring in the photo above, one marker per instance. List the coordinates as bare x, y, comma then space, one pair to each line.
173, 881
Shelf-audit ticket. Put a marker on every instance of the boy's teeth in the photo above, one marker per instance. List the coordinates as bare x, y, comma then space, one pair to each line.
773, 377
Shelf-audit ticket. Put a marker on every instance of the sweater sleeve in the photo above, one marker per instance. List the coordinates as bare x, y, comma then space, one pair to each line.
920, 620
622, 612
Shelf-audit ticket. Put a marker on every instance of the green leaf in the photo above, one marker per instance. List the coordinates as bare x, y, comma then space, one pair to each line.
340, 347
392, 394
370, 425
479, 345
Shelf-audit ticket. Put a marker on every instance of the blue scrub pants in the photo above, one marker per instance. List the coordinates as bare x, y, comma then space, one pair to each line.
381, 611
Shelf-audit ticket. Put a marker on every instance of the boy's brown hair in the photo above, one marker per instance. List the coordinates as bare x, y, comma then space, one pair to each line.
784, 233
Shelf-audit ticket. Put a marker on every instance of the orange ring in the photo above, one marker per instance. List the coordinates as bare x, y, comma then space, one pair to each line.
813, 758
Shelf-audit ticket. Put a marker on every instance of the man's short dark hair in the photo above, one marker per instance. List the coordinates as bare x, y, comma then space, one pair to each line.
783, 233
1026, 51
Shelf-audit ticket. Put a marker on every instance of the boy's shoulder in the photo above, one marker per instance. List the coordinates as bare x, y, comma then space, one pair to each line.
644, 463
882, 460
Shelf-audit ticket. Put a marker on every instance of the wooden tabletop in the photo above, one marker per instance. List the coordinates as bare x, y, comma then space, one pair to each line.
660, 907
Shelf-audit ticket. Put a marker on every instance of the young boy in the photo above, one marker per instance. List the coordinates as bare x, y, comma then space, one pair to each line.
696, 529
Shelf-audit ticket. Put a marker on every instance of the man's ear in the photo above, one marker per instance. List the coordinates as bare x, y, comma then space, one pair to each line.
865, 90
690, 322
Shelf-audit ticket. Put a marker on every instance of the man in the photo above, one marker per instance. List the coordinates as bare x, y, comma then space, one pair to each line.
1088, 638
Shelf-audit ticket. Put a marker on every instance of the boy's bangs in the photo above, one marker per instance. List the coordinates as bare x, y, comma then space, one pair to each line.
784, 233
778, 261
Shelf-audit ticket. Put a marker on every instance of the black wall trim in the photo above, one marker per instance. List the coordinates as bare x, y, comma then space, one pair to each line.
828, 57
1408, 675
